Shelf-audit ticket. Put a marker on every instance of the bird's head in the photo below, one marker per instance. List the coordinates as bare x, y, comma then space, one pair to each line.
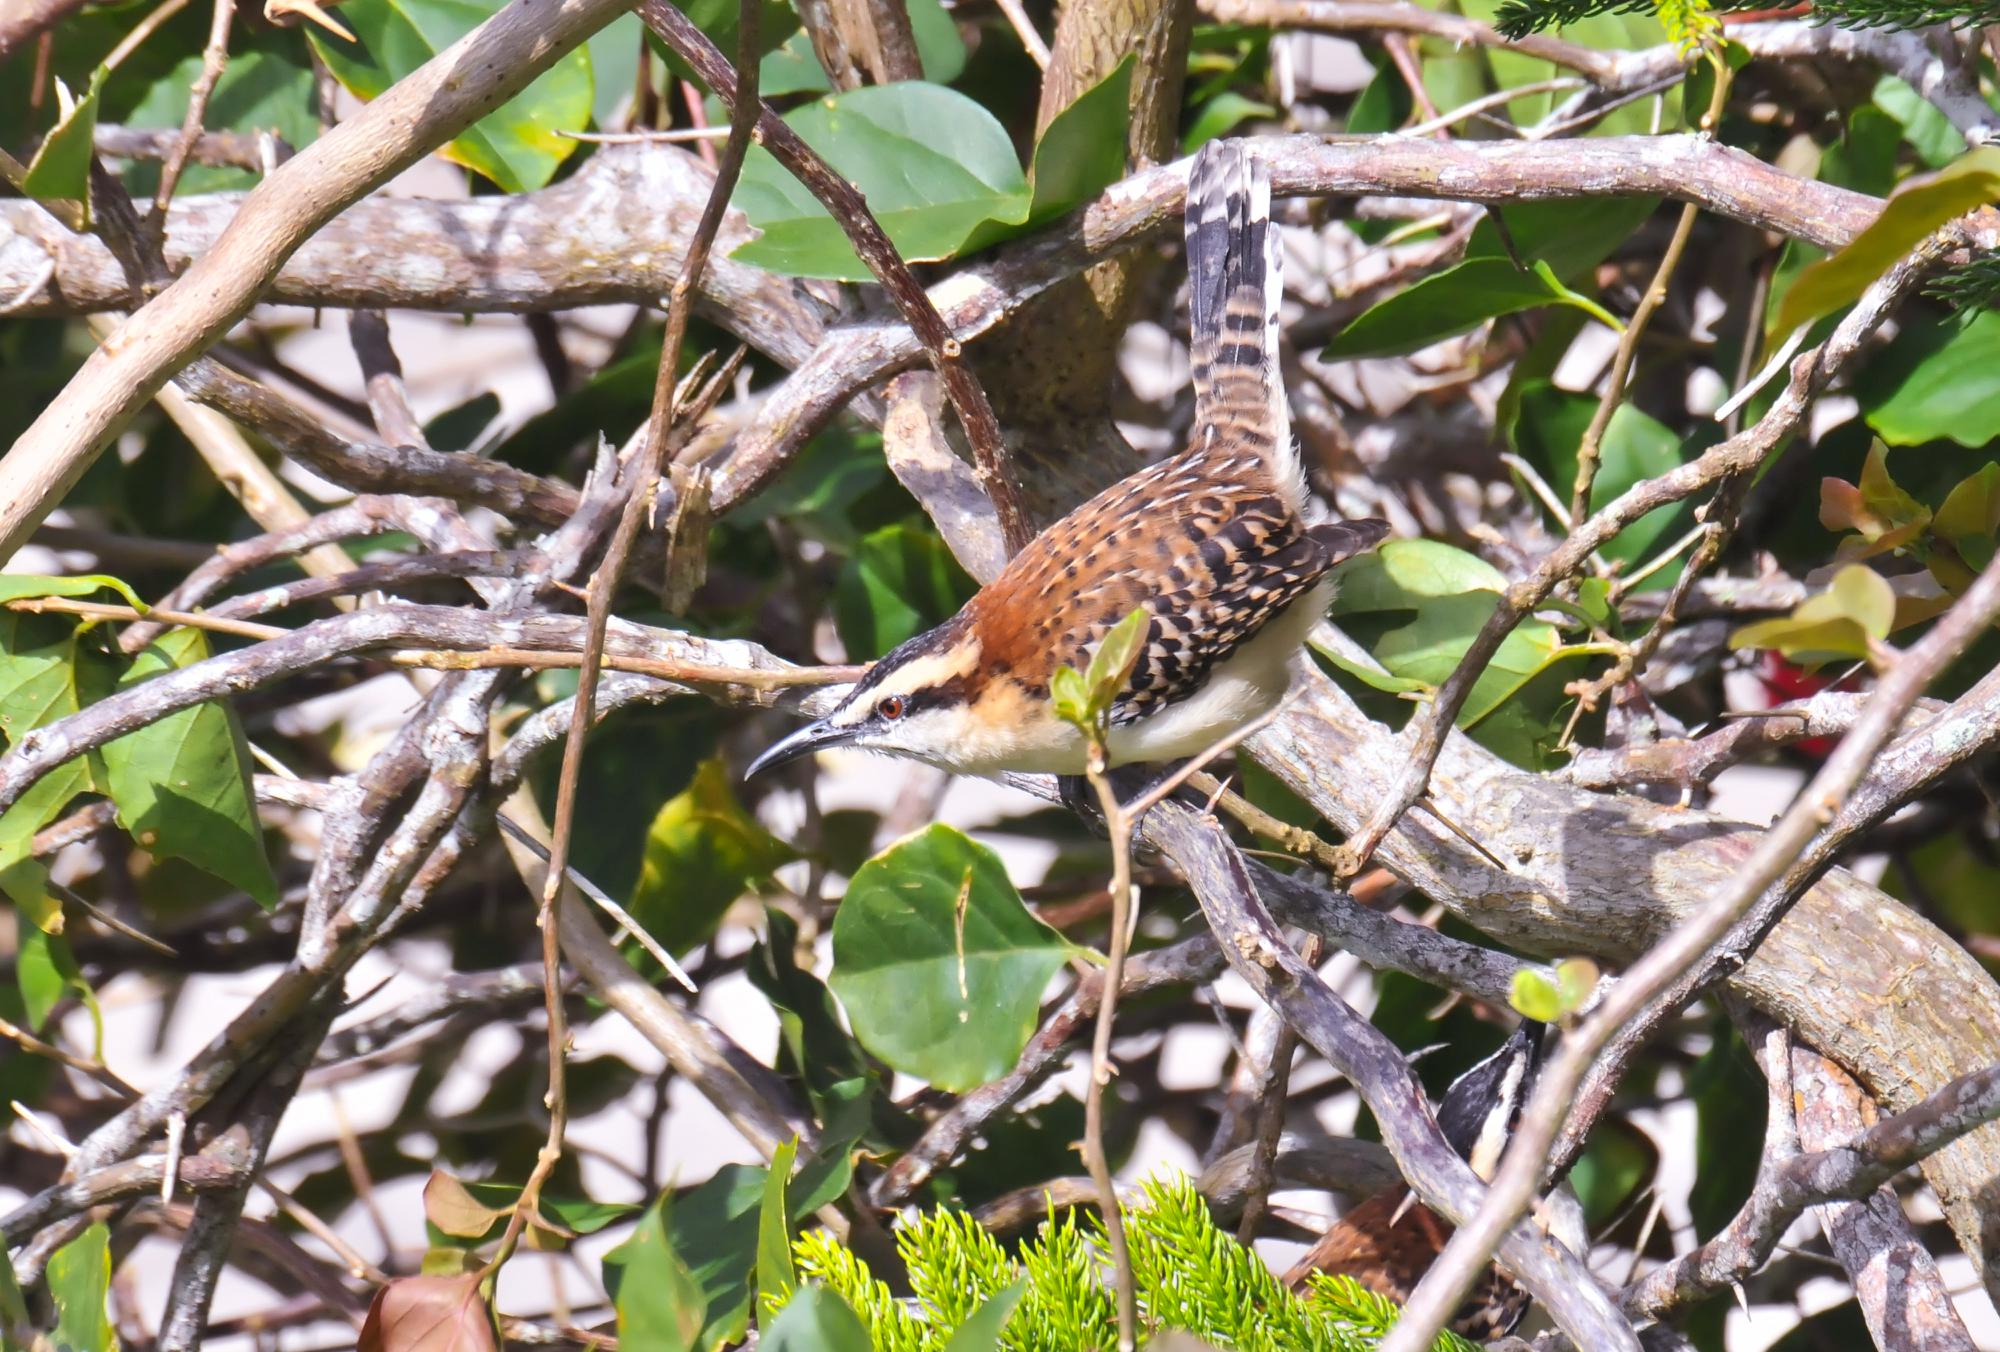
1479, 1110
917, 702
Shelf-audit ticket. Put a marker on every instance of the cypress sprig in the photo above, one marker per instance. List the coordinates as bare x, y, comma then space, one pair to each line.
1190, 1274
1971, 286
1903, 14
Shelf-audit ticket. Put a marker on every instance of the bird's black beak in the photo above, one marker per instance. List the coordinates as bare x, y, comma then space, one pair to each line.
806, 740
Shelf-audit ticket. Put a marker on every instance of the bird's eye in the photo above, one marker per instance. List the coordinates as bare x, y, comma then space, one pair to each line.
891, 708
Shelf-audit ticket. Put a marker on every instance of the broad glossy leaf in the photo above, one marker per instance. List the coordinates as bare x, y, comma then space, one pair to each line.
939, 964
1448, 303
182, 784
1221, 115
703, 851
1572, 237
48, 670
1836, 623
516, 145
658, 1302
981, 1331
430, 1314
815, 1044
1416, 605
776, 1276
1635, 447
934, 165
14, 1327
714, 1229
264, 88
1950, 393
1082, 151
60, 171
792, 68
486, 1205
815, 1320
1926, 130
22, 586
1914, 210
900, 581
79, 1281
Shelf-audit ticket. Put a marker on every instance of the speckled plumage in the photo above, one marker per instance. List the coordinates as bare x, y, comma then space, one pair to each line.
1218, 545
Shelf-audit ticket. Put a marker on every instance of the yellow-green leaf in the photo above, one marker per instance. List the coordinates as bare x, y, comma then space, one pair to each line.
1914, 210
1114, 659
703, 851
60, 171
1839, 622
517, 145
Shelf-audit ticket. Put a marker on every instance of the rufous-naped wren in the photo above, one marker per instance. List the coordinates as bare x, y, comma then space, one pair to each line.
1220, 545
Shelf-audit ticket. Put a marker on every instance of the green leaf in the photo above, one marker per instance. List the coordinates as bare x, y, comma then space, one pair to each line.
1082, 151
940, 50
900, 581
1535, 997
1416, 605
1837, 623
474, 1211
1219, 116
1949, 392
1450, 302
981, 1332
264, 88
1114, 659
1618, 1159
1635, 447
15, 1331
657, 1300
26, 586
1071, 696
939, 964
79, 1282
1571, 236
60, 171
1927, 130
516, 145
934, 165
1913, 211
776, 1277
815, 1321
47, 672
703, 851
1576, 980
182, 785
1972, 507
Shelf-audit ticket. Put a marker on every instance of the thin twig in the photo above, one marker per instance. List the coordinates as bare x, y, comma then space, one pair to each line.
1589, 450
214, 59
1119, 825
640, 477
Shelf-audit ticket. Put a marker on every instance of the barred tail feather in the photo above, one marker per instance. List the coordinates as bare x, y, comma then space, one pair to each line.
1235, 282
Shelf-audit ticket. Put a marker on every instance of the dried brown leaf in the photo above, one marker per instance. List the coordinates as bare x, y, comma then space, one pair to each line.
429, 1314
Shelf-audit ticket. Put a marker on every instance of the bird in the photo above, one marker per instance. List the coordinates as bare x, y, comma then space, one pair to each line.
1389, 1241
1219, 544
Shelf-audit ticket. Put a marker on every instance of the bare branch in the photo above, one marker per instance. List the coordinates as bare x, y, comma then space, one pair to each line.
441, 98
